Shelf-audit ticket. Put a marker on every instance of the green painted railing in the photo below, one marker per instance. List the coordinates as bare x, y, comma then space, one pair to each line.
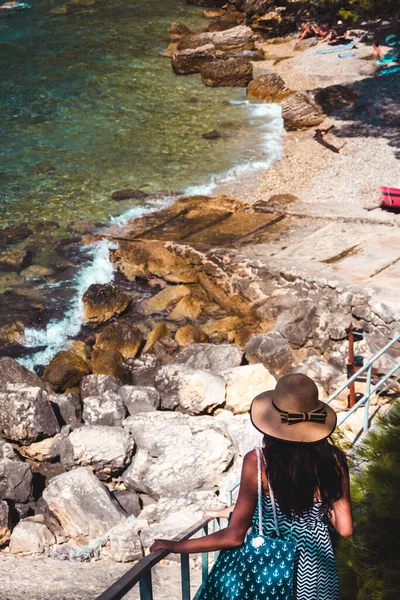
141, 572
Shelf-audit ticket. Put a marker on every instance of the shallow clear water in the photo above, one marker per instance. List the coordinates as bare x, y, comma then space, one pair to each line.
90, 106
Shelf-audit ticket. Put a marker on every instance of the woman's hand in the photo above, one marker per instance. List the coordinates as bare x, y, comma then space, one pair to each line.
162, 545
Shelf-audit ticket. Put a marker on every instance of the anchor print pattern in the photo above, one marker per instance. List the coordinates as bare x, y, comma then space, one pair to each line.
266, 572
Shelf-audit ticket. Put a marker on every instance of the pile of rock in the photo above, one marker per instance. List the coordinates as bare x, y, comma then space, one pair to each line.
122, 479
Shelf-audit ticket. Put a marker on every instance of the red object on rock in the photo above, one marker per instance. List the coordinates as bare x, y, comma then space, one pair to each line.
390, 197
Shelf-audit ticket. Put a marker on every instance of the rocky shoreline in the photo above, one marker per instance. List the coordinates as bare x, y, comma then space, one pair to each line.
234, 292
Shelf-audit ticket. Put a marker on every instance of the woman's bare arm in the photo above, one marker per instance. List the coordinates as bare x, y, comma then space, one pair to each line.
222, 513
233, 535
340, 515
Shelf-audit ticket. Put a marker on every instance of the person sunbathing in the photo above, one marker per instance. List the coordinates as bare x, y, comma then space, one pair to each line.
306, 31
11, 4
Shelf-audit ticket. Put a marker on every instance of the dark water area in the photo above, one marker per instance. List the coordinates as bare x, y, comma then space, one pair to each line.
90, 106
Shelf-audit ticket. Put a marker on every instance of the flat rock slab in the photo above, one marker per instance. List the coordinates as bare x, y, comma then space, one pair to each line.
38, 578
240, 225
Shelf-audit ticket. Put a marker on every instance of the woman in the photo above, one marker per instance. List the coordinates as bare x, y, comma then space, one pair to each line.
309, 479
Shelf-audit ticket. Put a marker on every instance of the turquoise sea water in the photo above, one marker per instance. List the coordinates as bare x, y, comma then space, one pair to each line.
90, 106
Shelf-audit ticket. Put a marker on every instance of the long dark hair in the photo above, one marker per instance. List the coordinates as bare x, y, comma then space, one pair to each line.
298, 471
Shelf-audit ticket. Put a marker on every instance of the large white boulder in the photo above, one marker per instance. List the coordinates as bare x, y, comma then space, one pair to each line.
97, 385
107, 449
106, 409
31, 536
82, 504
26, 414
244, 383
125, 543
177, 453
214, 357
194, 391
138, 399
244, 435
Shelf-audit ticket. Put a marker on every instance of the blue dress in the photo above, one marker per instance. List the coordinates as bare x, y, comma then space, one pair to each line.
315, 573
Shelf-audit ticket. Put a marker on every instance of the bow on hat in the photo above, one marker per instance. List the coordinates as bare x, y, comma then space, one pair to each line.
315, 416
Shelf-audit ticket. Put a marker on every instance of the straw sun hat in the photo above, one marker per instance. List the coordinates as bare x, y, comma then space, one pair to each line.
292, 411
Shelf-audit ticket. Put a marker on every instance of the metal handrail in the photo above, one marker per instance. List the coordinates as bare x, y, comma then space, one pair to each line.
365, 400
141, 572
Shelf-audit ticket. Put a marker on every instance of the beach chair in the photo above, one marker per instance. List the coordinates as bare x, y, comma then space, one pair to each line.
347, 47
390, 197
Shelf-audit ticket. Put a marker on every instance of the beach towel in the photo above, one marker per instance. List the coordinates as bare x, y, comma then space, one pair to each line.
347, 54
390, 70
348, 46
392, 40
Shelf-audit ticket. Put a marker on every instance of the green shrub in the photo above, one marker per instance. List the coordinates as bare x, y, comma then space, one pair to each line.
369, 562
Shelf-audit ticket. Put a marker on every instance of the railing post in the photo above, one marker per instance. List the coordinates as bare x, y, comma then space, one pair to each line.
185, 576
368, 399
216, 527
204, 558
146, 586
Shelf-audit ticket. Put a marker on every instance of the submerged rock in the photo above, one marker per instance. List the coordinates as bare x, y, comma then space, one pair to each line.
127, 194
14, 260
14, 234
82, 504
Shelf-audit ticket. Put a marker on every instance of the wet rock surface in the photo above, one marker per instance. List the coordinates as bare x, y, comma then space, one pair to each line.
101, 302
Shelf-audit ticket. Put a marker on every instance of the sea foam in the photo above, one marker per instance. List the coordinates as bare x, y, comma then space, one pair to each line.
100, 270
55, 336
270, 128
